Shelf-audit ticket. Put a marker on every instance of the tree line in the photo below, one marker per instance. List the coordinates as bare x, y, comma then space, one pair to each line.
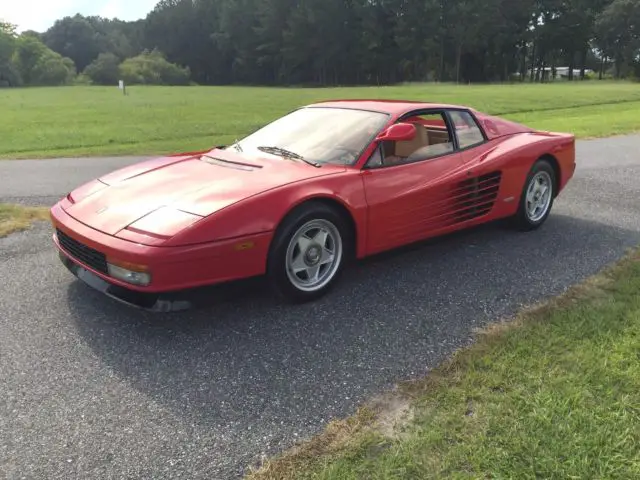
35, 59
332, 42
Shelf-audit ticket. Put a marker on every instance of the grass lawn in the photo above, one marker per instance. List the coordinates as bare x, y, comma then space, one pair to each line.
73, 121
553, 394
14, 218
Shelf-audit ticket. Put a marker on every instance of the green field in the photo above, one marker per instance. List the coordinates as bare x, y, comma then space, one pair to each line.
554, 394
73, 121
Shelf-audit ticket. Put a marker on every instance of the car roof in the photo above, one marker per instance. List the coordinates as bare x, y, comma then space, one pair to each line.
392, 107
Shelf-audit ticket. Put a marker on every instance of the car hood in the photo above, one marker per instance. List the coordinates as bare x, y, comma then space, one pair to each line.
186, 185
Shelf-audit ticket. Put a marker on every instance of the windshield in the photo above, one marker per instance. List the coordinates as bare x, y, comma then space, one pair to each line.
318, 134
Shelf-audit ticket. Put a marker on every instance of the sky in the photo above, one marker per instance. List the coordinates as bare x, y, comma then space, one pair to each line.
39, 15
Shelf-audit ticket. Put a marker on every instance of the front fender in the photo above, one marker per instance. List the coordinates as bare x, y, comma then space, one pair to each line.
264, 212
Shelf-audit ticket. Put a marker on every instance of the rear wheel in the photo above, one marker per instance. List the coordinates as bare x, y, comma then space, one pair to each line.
308, 252
538, 195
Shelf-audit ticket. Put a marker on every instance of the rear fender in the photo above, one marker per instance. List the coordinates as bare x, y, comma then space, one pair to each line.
514, 156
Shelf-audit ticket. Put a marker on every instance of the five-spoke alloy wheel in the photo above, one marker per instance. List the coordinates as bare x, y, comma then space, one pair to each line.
314, 255
537, 196
308, 252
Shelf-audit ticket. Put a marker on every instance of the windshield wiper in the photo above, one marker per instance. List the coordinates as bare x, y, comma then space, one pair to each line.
287, 154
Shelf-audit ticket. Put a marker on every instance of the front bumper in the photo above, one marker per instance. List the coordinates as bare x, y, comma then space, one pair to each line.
176, 271
154, 302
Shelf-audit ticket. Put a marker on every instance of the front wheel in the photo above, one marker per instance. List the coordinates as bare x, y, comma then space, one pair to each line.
537, 197
308, 253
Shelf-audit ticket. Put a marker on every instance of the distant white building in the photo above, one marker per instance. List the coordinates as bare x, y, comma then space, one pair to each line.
561, 72
564, 71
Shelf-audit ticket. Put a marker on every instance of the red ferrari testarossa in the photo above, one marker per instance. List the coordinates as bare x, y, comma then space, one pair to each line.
299, 197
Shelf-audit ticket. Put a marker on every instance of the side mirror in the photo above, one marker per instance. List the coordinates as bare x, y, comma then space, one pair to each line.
398, 132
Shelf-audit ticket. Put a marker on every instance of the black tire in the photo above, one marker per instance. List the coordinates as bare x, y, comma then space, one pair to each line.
277, 272
523, 220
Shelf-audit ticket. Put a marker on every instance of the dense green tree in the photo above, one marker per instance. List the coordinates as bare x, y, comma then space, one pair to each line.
9, 74
39, 65
104, 70
74, 37
28, 52
83, 38
152, 68
51, 68
330, 42
618, 34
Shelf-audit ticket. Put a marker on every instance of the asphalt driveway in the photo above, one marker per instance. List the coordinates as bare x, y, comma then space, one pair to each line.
93, 389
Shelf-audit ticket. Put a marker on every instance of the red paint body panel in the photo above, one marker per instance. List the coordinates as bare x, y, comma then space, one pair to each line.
403, 200
263, 213
195, 221
495, 127
187, 184
172, 268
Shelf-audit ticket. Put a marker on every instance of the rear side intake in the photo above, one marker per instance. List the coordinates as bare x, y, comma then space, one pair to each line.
476, 197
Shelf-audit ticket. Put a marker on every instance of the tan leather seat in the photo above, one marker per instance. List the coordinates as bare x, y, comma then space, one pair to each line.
426, 144
431, 151
438, 136
405, 149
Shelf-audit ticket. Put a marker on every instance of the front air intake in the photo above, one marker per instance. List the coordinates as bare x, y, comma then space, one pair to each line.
82, 253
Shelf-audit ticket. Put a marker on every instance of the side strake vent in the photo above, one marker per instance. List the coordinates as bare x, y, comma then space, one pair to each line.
475, 197
229, 164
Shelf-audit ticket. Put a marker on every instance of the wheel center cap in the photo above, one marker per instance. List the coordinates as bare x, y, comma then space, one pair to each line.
313, 255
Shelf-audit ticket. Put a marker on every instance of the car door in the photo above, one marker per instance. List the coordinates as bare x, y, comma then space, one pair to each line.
406, 185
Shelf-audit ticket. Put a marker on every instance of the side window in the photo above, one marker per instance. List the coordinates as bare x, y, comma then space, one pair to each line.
467, 130
433, 139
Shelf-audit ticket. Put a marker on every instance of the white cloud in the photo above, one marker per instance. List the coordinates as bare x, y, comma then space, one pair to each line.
35, 14
41, 14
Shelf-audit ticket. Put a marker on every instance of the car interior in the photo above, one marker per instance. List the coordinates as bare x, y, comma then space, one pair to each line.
431, 140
